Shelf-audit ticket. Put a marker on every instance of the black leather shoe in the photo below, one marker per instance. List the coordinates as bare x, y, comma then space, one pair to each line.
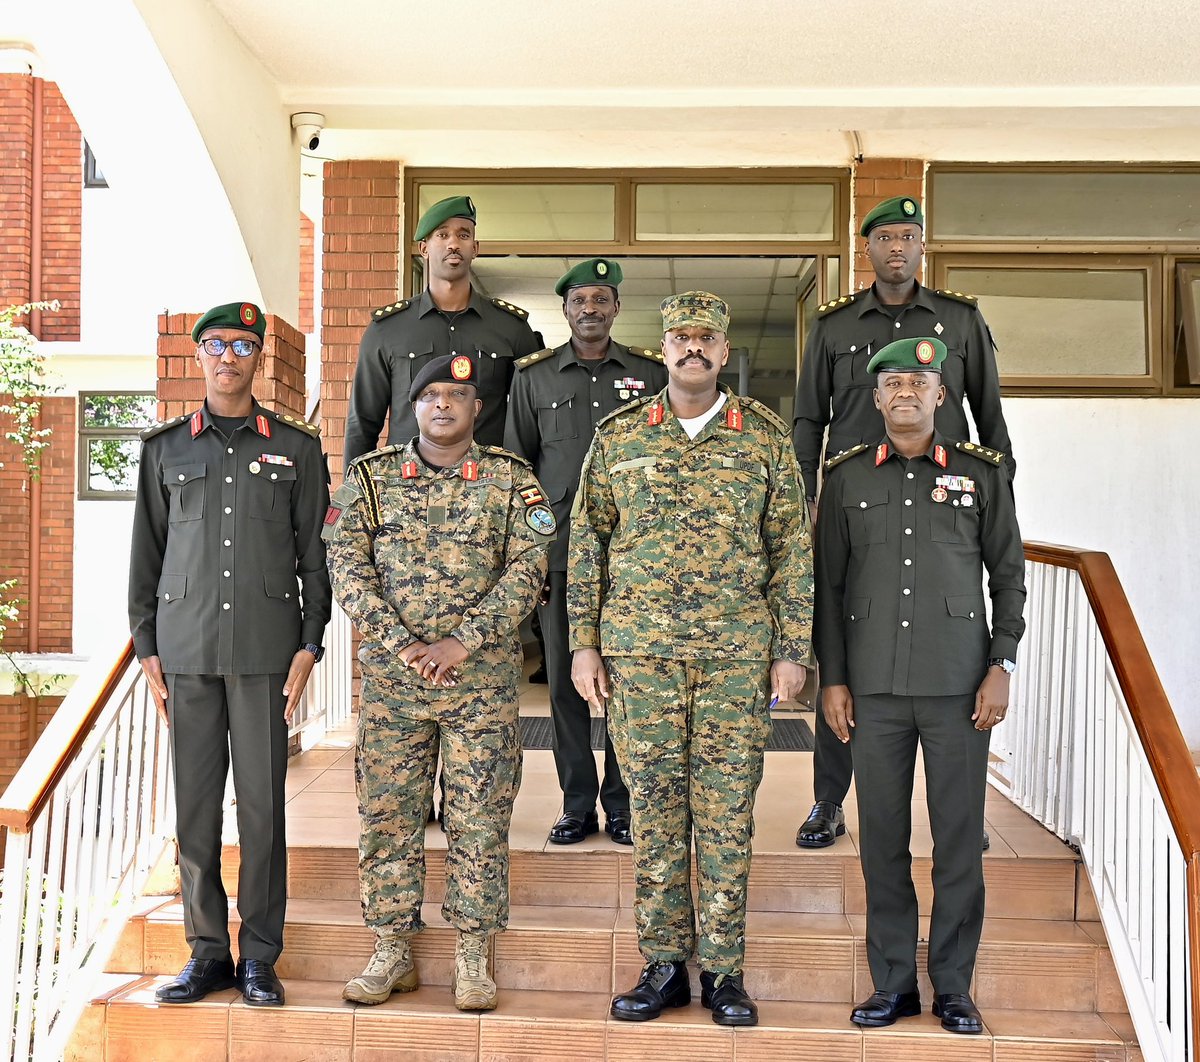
260, 987
662, 984
573, 827
885, 1008
197, 979
958, 1013
825, 823
725, 996
618, 828
987, 841
539, 677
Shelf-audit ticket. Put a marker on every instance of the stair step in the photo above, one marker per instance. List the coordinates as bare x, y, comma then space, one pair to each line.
424, 1027
1023, 963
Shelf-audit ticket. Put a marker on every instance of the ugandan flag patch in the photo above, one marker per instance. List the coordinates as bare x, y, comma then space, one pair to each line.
532, 495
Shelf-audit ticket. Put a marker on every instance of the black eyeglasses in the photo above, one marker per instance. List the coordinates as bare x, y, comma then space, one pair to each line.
243, 348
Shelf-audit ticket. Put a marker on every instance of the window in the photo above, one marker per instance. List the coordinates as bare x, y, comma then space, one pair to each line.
93, 176
109, 447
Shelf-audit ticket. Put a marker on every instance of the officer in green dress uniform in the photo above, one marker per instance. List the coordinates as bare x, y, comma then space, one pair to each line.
906, 526
834, 390
228, 601
558, 396
448, 318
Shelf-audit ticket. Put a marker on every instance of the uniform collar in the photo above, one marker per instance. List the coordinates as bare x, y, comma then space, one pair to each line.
938, 452
258, 421
426, 305
565, 356
729, 418
870, 301
410, 456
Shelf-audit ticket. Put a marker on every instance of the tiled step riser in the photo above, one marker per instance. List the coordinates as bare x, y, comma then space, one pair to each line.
820, 969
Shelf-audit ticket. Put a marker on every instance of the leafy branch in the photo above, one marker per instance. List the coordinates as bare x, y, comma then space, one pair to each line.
23, 384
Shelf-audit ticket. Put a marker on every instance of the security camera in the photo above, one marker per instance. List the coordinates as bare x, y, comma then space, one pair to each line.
308, 126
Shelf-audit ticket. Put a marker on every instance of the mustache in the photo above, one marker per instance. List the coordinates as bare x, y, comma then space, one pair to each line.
696, 357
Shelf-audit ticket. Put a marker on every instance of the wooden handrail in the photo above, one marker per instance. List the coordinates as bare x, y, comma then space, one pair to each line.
59, 744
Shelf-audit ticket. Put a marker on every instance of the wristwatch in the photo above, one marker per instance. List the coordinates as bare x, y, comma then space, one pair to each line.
997, 661
317, 650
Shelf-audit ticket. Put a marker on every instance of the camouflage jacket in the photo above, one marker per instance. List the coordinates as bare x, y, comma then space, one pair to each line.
418, 553
691, 548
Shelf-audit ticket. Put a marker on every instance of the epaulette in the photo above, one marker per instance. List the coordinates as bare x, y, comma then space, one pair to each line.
295, 422
499, 451
647, 353
767, 414
837, 304
383, 451
837, 459
970, 300
631, 404
161, 426
391, 308
534, 358
984, 453
516, 311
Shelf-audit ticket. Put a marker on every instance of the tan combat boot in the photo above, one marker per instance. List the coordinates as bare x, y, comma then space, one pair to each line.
472, 983
391, 969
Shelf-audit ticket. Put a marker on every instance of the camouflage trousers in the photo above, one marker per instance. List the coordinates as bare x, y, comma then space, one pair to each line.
400, 732
690, 737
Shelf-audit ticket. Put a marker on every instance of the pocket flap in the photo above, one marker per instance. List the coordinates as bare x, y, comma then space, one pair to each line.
271, 473
858, 608
172, 587
555, 401
182, 474
965, 606
281, 585
864, 499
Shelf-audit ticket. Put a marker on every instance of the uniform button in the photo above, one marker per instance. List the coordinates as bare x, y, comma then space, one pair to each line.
972, 615
227, 509
167, 597
286, 596
853, 348
595, 403
907, 591
904, 623
898, 325
230, 450
452, 328
908, 561
274, 475
908, 530
182, 477
910, 475
229, 479
228, 543
594, 380
908, 501
411, 354
493, 354
852, 615
226, 606
554, 405
862, 505
226, 574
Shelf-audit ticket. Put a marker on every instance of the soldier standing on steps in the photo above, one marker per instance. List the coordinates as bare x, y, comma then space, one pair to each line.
438, 551
834, 390
906, 656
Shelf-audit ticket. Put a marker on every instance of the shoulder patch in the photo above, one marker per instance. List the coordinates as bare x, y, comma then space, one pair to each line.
829, 307
845, 455
508, 307
499, 451
534, 358
383, 451
767, 414
391, 308
630, 405
295, 422
958, 296
984, 453
161, 426
647, 353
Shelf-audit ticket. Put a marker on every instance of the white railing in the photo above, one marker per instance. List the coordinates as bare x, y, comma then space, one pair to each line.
326, 702
1092, 750
88, 816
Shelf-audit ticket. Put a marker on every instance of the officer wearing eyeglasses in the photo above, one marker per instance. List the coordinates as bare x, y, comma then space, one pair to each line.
228, 601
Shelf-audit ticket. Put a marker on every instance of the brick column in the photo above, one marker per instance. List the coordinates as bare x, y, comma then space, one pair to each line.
16, 186
307, 280
874, 181
361, 260
280, 381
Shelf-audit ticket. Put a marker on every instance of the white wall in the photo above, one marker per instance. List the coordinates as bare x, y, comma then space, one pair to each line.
1118, 475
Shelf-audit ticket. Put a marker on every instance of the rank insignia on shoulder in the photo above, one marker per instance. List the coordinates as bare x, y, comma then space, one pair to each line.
837, 459
646, 352
533, 359
767, 414
391, 308
508, 307
984, 453
960, 296
655, 416
837, 304
541, 519
733, 418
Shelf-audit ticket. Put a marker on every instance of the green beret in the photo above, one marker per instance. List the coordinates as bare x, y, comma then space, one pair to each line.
899, 210
243, 315
450, 368
695, 308
910, 355
457, 206
593, 271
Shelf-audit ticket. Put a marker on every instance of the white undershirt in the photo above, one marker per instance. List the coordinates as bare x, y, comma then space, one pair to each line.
694, 425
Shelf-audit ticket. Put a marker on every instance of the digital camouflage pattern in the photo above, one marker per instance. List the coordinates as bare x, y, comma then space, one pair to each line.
698, 547
400, 732
691, 771
417, 553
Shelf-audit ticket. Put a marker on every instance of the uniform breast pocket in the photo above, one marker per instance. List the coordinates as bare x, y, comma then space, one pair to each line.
638, 487
966, 606
954, 369
405, 366
850, 368
186, 486
271, 492
494, 371
954, 523
737, 491
866, 517
556, 417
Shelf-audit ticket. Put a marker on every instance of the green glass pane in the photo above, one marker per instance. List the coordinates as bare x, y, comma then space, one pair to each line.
112, 465
119, 411
535, 213
734, 212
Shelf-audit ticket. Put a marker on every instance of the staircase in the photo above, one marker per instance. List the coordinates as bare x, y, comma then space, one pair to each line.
1044, 980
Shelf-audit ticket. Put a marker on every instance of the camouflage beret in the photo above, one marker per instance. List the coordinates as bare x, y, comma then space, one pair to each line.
593, 271
457, 206
909, 355
243, 315
899, 210
450, 368
695, 308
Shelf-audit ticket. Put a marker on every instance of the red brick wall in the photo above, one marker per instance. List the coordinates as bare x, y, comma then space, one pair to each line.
22, 720
56, 510
307, 281
280, 383
60, 197
360, 260
874, 181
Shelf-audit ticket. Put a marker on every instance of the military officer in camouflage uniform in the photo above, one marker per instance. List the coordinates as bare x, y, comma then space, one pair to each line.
448, 318
906, 526
834, 390
690, 598
558, 396
438, 551
228, 602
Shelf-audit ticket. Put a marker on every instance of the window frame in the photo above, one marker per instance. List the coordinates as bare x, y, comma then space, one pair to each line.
86, 434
